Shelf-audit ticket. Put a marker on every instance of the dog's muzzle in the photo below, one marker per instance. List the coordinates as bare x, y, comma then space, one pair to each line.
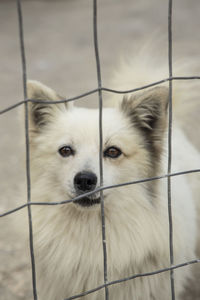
86, 182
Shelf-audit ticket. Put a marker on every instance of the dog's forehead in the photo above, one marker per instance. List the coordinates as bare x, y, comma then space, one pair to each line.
80, 127
87, 120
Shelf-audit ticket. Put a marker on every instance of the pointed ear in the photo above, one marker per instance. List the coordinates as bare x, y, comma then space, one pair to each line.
41, 113
148, 112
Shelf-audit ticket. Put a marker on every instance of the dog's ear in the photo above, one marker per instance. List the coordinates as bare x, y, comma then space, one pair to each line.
41, 113
148, 112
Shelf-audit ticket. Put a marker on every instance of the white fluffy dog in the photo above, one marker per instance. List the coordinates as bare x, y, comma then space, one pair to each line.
64, 144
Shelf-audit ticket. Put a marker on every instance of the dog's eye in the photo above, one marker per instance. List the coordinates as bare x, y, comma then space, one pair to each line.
112, 152
66, 151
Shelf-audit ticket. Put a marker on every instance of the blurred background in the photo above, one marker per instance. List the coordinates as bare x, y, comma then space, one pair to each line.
60, 53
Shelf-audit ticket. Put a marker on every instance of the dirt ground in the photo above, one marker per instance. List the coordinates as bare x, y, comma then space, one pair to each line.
60, 53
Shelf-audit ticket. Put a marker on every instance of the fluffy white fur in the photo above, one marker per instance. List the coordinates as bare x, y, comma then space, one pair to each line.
68, 238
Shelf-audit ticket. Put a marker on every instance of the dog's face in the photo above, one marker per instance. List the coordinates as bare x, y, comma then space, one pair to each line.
65, 144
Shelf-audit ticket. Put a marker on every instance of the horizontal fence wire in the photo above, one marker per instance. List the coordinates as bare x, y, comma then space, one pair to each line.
178, 78
100, 189
134, 277
167, 176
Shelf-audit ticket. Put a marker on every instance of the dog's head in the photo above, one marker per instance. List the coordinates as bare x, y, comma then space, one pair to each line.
65, 143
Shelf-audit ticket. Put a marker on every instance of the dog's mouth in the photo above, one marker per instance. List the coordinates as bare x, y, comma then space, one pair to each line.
87, 201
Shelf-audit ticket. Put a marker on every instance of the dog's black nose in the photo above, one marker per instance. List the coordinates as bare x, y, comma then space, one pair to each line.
85, 181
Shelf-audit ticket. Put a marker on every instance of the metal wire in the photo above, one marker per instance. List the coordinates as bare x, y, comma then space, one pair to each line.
100, 189
134, 277
96, 48
5, 110
167, 176
171, 246
28, 179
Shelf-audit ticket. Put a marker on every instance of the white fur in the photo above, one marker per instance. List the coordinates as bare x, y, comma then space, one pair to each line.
68, 238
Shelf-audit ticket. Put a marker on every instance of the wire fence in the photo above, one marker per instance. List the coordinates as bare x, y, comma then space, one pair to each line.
102, 188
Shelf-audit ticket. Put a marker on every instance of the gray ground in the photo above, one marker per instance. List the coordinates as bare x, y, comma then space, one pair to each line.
59, 52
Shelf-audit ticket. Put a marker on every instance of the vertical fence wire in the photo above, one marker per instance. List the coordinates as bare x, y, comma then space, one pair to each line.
24, 74
98, 67
171, 251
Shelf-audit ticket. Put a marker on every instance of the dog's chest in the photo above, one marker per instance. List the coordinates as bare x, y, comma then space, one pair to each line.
75, 254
